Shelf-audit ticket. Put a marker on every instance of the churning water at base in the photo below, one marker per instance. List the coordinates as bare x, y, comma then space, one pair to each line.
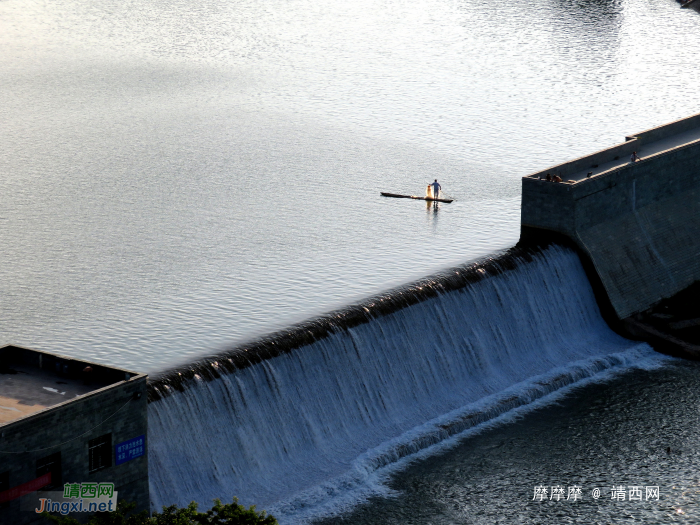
314, 425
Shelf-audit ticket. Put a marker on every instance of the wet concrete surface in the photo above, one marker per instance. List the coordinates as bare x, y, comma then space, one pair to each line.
25, 390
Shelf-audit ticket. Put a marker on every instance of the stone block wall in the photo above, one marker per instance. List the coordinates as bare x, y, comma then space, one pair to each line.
119, 409
639, 224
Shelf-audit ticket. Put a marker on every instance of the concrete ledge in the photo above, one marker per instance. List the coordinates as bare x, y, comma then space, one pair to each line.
592, 161
667, 130
639, 223
662, 342
618, 155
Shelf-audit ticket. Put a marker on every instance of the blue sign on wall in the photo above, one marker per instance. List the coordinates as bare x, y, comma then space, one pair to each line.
128, 450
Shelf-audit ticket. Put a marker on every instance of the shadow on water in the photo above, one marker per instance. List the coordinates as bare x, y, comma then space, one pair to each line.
589, 30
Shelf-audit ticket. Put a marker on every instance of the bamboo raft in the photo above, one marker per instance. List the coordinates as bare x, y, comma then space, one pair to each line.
396, 196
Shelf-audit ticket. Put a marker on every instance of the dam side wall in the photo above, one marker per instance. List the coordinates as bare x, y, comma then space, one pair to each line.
639, 223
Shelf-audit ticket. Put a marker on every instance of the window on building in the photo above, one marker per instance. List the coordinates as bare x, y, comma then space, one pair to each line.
100, 451
4, 485
51, 464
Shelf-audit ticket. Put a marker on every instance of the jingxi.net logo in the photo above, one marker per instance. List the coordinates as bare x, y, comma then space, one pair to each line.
79, 497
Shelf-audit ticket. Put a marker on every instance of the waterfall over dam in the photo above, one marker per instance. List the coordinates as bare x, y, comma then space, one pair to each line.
304, 416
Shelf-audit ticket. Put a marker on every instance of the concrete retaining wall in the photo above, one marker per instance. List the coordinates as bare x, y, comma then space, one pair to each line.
68, 429
639, 223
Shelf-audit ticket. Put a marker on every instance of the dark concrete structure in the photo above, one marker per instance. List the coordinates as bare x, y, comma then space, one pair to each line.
637, 222
67, 417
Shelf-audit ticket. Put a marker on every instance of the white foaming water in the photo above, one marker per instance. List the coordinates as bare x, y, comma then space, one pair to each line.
309, 430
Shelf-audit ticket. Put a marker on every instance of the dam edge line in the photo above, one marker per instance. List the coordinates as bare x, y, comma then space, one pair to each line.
211, 367
543, 205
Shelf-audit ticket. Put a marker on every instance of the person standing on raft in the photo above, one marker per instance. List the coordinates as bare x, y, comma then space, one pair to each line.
436, 189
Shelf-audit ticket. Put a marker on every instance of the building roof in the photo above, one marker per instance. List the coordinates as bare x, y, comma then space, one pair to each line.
32, 380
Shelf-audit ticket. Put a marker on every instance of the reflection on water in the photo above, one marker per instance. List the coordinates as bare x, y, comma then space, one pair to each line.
431, 209
180, 176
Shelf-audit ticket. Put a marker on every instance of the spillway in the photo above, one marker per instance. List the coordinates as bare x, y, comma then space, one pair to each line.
297, 427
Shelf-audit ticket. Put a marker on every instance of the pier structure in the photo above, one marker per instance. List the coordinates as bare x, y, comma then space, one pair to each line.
637, 221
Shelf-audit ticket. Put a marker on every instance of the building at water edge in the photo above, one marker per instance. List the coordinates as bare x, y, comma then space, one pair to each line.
72, 436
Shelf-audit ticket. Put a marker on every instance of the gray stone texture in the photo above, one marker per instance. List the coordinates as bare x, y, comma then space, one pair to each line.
639, 222
68, 428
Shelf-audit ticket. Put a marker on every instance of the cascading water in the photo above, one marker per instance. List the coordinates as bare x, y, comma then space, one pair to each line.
304, 425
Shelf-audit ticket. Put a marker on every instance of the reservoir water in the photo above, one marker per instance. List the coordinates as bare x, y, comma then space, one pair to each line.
179, 178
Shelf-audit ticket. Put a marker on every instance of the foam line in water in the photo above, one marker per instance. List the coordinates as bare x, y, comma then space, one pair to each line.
340, 495
359, 398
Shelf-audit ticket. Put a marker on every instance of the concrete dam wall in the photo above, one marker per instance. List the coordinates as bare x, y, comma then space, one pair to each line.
303, 421
315, 416
638, 222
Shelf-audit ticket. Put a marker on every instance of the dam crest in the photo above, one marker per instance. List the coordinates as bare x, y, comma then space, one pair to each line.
637, 222
311, 414
329, 413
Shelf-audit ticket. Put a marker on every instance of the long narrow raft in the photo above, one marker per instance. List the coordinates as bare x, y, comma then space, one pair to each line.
396, 196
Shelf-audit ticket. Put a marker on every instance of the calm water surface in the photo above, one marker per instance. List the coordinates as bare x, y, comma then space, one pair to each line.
178, 177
